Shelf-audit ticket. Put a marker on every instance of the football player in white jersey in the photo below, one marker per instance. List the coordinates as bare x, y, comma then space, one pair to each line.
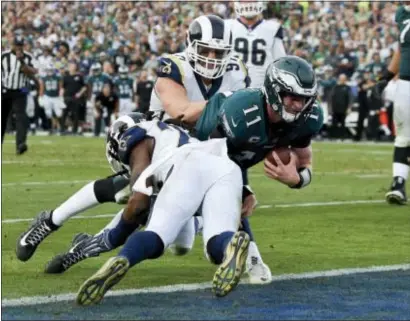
185, 82
256, 41
153, 153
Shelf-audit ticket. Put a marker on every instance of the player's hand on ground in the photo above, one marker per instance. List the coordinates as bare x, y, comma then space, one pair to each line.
249, 205
286, 174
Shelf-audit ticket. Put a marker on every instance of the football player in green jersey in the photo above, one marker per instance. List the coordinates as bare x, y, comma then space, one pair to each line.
50, 99
400, 64
283, 113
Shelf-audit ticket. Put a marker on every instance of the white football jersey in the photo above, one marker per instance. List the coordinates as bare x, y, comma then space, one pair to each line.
257, 46
171, 147
178, 68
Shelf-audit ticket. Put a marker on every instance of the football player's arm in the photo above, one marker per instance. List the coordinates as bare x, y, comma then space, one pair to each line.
175, 100
171, 91
138, 203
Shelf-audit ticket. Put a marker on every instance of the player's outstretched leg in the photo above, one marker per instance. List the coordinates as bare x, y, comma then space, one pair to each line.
140, 246
93, 290
227, 276
85, 246
40, 228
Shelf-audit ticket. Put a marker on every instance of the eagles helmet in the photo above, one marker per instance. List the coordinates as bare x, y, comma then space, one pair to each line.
293, 77
115, 131
209, 34
96, 68
248, 9
123, 71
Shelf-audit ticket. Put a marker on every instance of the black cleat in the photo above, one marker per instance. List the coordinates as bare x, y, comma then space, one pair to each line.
397, 193
21, 149
28, 241
83, 246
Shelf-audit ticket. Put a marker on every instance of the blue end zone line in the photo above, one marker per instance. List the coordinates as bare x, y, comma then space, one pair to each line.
35, 300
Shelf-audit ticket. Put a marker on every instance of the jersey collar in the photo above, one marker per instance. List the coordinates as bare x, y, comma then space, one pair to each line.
250, 28
216, 84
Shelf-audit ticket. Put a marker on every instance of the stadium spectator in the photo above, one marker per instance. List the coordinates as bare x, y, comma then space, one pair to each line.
74, 92
143, 92
341, 99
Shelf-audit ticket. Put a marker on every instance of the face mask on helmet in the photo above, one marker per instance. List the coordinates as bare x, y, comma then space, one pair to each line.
208, 46
114, 134
288, 93
248, 9
209, 59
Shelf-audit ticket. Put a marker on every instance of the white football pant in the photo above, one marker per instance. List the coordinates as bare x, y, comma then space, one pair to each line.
401, 114
201, 179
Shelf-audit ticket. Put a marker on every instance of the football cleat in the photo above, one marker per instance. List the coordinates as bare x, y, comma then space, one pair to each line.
257, 272
41, 227
227, 276
83, 246
397, 193
93, 290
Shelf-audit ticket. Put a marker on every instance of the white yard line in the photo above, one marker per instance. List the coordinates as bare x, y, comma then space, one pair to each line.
45, 183
312, 204
356, 173
35, 300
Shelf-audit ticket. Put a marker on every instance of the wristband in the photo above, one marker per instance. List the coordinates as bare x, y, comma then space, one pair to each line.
305, 175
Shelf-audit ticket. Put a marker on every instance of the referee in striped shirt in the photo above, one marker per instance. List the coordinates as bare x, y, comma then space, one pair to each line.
16, 70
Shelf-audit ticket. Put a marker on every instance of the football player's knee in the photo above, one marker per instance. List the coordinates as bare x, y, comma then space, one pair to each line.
208, 251
111, 189
179, 250
402, 141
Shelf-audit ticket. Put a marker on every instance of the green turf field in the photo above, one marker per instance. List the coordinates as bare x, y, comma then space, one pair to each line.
292, 236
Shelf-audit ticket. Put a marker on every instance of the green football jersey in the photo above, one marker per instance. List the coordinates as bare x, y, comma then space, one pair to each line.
403, 22
242, 118
97, 82
123, 87
51, 85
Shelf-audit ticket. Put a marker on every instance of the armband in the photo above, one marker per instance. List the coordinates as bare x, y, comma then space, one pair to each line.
305, 175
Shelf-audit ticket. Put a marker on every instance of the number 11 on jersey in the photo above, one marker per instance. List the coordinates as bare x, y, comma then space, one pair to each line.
256, 120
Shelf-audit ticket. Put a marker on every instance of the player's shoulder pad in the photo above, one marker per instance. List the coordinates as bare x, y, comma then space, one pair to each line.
315, 119
129, 139
170, 66
237, 69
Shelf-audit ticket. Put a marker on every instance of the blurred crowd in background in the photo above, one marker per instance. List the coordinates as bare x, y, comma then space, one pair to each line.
346, 38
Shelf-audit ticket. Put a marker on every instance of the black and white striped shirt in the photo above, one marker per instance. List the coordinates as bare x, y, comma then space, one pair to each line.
11, 75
